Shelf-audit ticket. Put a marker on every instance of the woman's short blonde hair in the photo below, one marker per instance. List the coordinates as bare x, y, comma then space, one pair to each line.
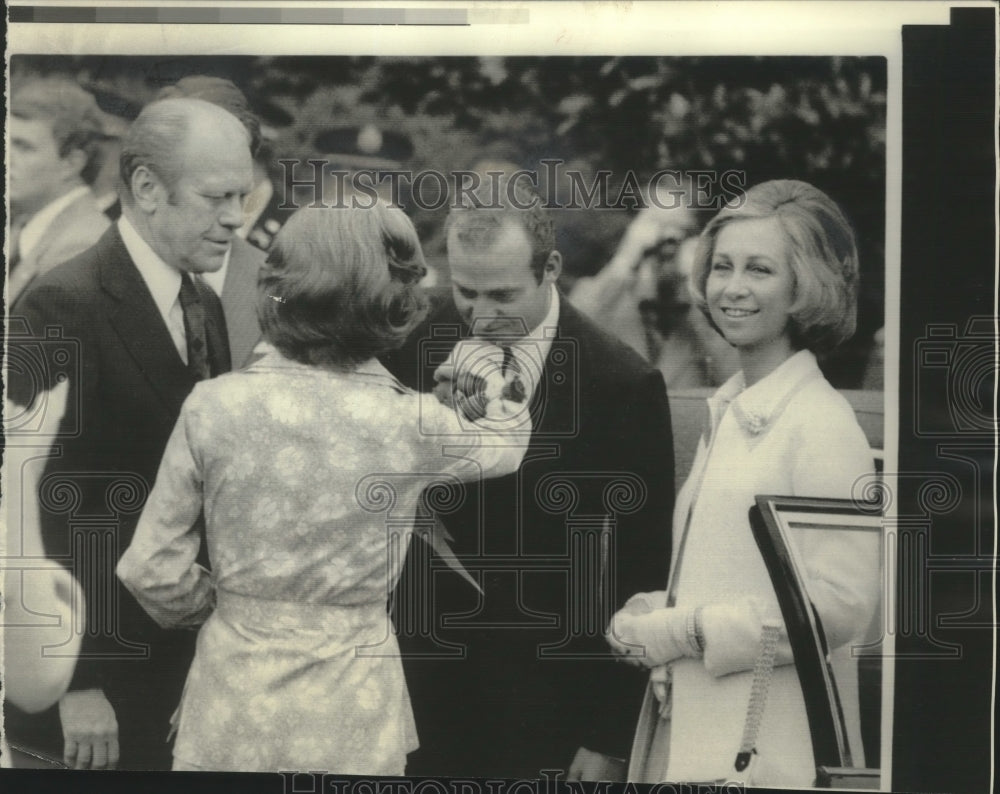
340, 285
822, 252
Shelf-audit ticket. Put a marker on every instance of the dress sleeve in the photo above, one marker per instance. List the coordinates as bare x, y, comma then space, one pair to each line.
159, 566
471, 450
842, 566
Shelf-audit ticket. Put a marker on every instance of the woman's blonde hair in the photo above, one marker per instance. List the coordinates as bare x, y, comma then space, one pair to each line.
822, 255
340, 285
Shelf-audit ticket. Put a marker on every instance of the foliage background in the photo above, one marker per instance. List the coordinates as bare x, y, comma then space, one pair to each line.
820, 119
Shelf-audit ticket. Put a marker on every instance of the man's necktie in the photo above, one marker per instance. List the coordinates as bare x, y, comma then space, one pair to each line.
511, 370
194, 329
509, 362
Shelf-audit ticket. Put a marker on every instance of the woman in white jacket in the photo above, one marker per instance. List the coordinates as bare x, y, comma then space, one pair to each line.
777, 276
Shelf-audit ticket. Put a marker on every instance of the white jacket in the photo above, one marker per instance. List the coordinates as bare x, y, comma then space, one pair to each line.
789, 434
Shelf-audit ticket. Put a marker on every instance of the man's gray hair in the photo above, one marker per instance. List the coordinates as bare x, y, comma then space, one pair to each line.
154, 138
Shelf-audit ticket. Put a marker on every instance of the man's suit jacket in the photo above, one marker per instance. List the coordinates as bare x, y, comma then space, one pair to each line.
513, 682
239, 301
94, 321
72, 231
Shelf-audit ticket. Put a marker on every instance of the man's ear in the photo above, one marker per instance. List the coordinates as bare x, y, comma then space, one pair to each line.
553, 267
147, 189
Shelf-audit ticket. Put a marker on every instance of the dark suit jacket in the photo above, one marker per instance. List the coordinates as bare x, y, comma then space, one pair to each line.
239, 301
94, 321
514, 682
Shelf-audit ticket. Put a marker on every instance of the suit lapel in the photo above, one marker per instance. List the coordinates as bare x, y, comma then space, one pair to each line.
140, 328
47, 239
75, 214
21, 276
555, 402
28, 267
42, 257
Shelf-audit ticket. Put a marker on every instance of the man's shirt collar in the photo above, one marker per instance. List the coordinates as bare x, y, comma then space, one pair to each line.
163, 281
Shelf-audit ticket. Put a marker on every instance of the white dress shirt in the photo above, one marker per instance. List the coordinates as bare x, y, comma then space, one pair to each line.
163, 281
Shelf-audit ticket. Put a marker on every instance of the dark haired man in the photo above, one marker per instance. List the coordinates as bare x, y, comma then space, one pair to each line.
517, 679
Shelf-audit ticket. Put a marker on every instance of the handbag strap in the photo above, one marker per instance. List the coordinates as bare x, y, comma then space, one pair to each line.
770, 635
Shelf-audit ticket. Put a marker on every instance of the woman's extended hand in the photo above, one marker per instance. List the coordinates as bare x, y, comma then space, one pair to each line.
464, 391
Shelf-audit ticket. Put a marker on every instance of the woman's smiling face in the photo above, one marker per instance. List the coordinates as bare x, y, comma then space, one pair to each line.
751, 287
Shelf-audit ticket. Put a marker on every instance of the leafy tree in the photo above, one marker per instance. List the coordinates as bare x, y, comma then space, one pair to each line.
821, 119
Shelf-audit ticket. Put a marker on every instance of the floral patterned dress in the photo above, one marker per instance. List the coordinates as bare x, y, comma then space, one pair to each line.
309, 481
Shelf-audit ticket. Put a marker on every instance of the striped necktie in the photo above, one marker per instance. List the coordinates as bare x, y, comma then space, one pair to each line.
194, 329
509, 362
514, 387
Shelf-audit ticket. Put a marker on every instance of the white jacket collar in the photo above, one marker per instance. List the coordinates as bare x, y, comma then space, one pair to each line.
757, 407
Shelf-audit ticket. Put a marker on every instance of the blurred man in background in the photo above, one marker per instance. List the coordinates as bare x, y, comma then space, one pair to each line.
641, 295
119, 108
55, 134
261, 217
646, 255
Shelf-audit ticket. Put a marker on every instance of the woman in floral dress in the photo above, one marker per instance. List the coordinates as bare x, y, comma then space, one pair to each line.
309, 467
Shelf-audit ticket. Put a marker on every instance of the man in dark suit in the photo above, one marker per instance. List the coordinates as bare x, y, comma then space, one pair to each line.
236, 281
518, 679
132, 327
